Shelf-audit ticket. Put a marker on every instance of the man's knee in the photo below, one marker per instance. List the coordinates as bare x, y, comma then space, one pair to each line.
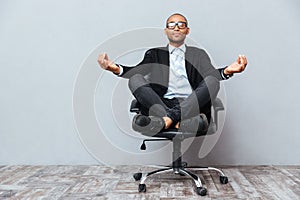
136, 81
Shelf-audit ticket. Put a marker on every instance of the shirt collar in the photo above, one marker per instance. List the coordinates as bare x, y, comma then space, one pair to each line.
182, 47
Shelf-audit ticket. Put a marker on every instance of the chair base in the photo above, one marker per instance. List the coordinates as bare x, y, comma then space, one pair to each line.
142, 177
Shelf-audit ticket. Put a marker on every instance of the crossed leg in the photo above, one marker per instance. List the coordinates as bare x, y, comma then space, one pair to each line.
173, 110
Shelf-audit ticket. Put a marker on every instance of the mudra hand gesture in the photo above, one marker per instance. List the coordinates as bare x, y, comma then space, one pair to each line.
238, 66
107, 64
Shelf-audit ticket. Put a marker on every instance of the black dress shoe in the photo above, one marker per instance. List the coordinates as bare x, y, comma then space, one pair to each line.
197, 124
141, 120
148, 124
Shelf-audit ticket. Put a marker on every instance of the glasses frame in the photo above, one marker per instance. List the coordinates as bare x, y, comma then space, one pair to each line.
176, 24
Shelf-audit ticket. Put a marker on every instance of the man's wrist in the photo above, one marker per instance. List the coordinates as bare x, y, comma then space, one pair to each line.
117, 69
114, 68
226, 73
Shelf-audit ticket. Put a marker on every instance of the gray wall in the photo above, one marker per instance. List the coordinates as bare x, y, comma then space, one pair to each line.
45, 44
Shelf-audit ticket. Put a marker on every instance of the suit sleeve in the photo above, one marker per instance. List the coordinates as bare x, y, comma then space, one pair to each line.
141, 68
208, 69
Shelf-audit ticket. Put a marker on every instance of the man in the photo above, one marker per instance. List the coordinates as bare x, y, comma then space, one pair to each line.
175, 84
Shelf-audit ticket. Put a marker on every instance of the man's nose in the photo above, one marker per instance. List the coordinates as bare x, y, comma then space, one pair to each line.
176, 27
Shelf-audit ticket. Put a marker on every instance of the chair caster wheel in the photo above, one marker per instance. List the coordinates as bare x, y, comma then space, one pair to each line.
184, 164
201, 191
142, 188
223, 179
137, 176
181, 174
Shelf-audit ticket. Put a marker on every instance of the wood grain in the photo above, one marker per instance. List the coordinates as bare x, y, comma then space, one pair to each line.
102, 182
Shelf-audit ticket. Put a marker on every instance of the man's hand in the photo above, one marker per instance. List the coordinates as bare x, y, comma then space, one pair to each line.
238, 66
107, 64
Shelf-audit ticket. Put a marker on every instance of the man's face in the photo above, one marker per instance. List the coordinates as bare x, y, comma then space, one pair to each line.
177, 34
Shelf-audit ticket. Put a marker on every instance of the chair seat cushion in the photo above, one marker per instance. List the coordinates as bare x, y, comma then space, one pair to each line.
171, 133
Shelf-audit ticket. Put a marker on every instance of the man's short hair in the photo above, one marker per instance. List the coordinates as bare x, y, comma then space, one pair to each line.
179, 15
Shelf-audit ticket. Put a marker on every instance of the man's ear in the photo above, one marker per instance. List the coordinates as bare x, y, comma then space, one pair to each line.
165, 31
187, 31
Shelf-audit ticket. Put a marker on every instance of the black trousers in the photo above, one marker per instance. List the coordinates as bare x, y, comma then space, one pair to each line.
199, 101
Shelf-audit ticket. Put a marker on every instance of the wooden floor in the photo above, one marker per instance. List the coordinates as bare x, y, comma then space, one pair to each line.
101, 182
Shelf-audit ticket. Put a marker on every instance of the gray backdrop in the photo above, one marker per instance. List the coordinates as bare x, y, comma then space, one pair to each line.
43, 45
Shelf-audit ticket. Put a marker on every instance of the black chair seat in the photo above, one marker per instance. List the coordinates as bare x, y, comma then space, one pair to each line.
171, 133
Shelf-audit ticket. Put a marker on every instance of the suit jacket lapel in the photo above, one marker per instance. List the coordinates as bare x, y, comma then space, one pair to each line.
189, 65
188, 60
165, 61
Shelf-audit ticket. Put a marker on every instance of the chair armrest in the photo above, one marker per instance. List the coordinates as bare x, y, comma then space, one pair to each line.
135, 106
218, 105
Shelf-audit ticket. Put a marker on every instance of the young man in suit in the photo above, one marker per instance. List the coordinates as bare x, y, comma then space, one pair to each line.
174, 84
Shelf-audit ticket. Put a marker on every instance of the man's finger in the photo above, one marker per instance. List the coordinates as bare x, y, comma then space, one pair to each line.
100, 59
238, 59
245, 60
105, 56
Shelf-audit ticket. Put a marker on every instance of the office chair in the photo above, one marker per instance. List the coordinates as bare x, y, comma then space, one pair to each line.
176, 137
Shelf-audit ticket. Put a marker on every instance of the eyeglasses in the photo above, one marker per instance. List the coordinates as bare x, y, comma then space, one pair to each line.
180, 25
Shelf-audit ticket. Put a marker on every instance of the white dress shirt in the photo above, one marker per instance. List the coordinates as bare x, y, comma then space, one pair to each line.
179, 85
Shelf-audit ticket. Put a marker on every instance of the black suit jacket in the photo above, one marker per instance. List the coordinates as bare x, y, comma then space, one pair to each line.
155, 66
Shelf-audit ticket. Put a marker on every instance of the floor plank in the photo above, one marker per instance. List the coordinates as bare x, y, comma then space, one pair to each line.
103, 182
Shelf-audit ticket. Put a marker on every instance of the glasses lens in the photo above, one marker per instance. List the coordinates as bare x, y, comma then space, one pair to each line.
171, 25
180, 25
